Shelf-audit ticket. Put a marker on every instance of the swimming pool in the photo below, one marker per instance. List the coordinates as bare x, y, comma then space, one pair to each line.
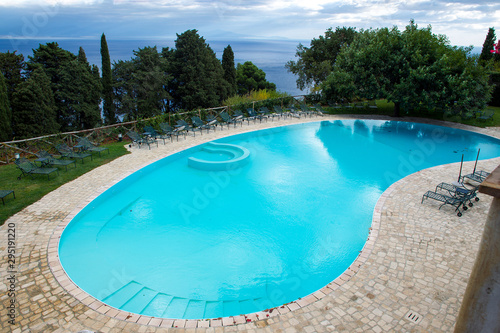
187, 243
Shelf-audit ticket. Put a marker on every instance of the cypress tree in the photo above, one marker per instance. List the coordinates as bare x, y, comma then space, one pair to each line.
35, 108
108, 106
488, 45
5, 112
229, 69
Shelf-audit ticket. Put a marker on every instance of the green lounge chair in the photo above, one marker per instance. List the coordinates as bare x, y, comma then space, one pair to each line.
486, 115
200, 124
228, 120
254, 115
264, 111
212, 121
67, 152
319, 110
139, 140
4, 193
28, 168
46, 159
280, 111
446, 200
85, 145
171, 132
188, 127
151, 132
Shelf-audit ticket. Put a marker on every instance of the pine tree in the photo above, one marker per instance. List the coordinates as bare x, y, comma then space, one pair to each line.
108, 107
488, 45
12, 66
53, 58
229, 69
80, 90
5, 112
35, 108
198, 75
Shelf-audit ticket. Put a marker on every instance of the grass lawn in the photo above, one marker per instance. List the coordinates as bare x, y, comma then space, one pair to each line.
29, 190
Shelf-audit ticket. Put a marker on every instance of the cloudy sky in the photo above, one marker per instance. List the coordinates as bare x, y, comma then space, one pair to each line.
465, 22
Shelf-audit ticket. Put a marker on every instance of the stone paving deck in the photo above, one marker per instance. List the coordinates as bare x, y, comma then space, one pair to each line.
417, 261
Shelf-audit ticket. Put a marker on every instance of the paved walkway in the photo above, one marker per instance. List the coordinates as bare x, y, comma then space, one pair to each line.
417, 261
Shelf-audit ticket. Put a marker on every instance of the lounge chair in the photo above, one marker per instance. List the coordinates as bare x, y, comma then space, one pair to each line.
264, 111
372, 105
460, 192
305, 110
294, 112
67, 152
477, 176
151, 132
238, 114
212, 121
251, 115
188, 127
4, 193
46, 159
280, 111
254, 115
140, 140
29, 168
171, 132
446, 200
486, 115
319, 110
200, 124
85, 145
228, 120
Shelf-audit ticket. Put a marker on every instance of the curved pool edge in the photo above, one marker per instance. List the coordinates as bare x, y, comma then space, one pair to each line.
349, 273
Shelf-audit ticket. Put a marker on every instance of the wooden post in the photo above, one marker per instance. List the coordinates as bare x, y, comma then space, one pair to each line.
480, 309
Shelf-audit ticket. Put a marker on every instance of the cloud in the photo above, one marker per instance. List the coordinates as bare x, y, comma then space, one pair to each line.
464, 21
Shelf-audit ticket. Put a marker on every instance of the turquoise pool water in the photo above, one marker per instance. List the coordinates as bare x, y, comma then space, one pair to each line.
174, 241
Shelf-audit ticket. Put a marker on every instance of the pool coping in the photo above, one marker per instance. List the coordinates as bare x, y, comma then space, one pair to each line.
65, 281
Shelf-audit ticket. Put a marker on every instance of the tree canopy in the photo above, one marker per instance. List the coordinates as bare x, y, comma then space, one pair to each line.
197, 74
34, 103
415, 69
141, 84
251, 78
316, 62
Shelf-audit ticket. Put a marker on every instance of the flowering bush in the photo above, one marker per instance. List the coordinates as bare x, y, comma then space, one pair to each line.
496, 48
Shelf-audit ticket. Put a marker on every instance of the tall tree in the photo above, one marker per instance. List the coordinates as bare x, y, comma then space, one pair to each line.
251, 78
198, 79
108, 105
34, 105
229, 69
141, 84
415, 69
12, 67
316, 62
5, 112
488, 44
53, 59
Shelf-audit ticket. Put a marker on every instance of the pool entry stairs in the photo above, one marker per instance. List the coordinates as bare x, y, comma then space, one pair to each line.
137, 298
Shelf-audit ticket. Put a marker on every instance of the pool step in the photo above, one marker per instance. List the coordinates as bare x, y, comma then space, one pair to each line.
136, 298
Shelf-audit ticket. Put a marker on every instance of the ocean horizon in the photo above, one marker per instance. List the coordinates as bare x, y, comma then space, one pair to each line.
269, 55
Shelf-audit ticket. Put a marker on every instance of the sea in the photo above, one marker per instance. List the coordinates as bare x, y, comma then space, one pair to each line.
269, 55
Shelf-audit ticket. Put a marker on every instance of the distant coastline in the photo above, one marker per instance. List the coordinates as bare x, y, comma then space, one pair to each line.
269, 55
